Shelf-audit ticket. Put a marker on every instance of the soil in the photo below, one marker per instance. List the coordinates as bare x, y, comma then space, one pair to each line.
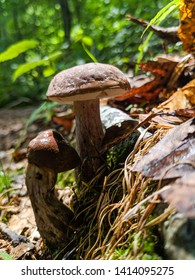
18, 233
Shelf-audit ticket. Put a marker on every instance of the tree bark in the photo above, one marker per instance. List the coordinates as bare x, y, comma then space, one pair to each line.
66, 18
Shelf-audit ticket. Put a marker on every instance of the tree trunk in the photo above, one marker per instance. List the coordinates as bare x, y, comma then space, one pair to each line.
18, 33
66, 18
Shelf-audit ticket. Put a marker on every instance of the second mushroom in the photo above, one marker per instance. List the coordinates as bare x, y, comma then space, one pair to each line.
85, 85
49, 154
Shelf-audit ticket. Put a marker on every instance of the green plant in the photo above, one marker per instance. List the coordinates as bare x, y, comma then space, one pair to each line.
157, 19
65, 179
46, 62
39, 45
5, 256
5, 180
23, 46
16, 49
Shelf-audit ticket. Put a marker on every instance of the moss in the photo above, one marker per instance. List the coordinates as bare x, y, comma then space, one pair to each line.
66, 179
141, 245
149, 249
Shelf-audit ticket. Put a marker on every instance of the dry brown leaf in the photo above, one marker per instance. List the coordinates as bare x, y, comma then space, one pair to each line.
171, 157
187, 27
172, 118
162, 71
181, 195
151, 89
19, 251
166, 122
189, 92
184, 113
24, 218
67, 124
181, 99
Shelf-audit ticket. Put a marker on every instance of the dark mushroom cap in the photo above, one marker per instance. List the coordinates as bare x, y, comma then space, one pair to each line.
50, 150
86, 82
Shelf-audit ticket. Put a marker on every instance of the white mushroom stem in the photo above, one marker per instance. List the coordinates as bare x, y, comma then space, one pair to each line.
89, 135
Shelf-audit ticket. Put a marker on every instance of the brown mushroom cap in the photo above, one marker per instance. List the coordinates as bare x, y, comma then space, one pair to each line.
50, 150
86, 82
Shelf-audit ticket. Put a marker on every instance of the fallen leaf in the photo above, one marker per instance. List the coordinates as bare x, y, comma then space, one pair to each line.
163, 120
20, 250
184, 113
173, 156
67, 124
187, 26
161, 70
181, 99
181, 195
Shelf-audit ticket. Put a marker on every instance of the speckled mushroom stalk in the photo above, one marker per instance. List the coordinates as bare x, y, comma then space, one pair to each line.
84, 86
48, 154
89, 135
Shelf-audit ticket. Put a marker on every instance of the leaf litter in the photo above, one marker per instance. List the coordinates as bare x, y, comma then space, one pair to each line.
150, 174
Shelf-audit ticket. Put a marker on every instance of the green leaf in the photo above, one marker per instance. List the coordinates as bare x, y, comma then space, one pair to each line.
93, 58
142, 48
159, 17
53, 56
48, 71
26, 67
87, 41
5, 179
5, 256
162, 14
16, 49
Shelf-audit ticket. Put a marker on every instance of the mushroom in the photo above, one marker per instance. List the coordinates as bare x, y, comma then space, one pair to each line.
84, 85
49, 154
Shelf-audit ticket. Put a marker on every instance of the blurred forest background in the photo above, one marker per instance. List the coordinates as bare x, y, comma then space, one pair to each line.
58, 34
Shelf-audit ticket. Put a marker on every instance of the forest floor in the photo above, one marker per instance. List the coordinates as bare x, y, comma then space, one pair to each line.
19, 238
16, 212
